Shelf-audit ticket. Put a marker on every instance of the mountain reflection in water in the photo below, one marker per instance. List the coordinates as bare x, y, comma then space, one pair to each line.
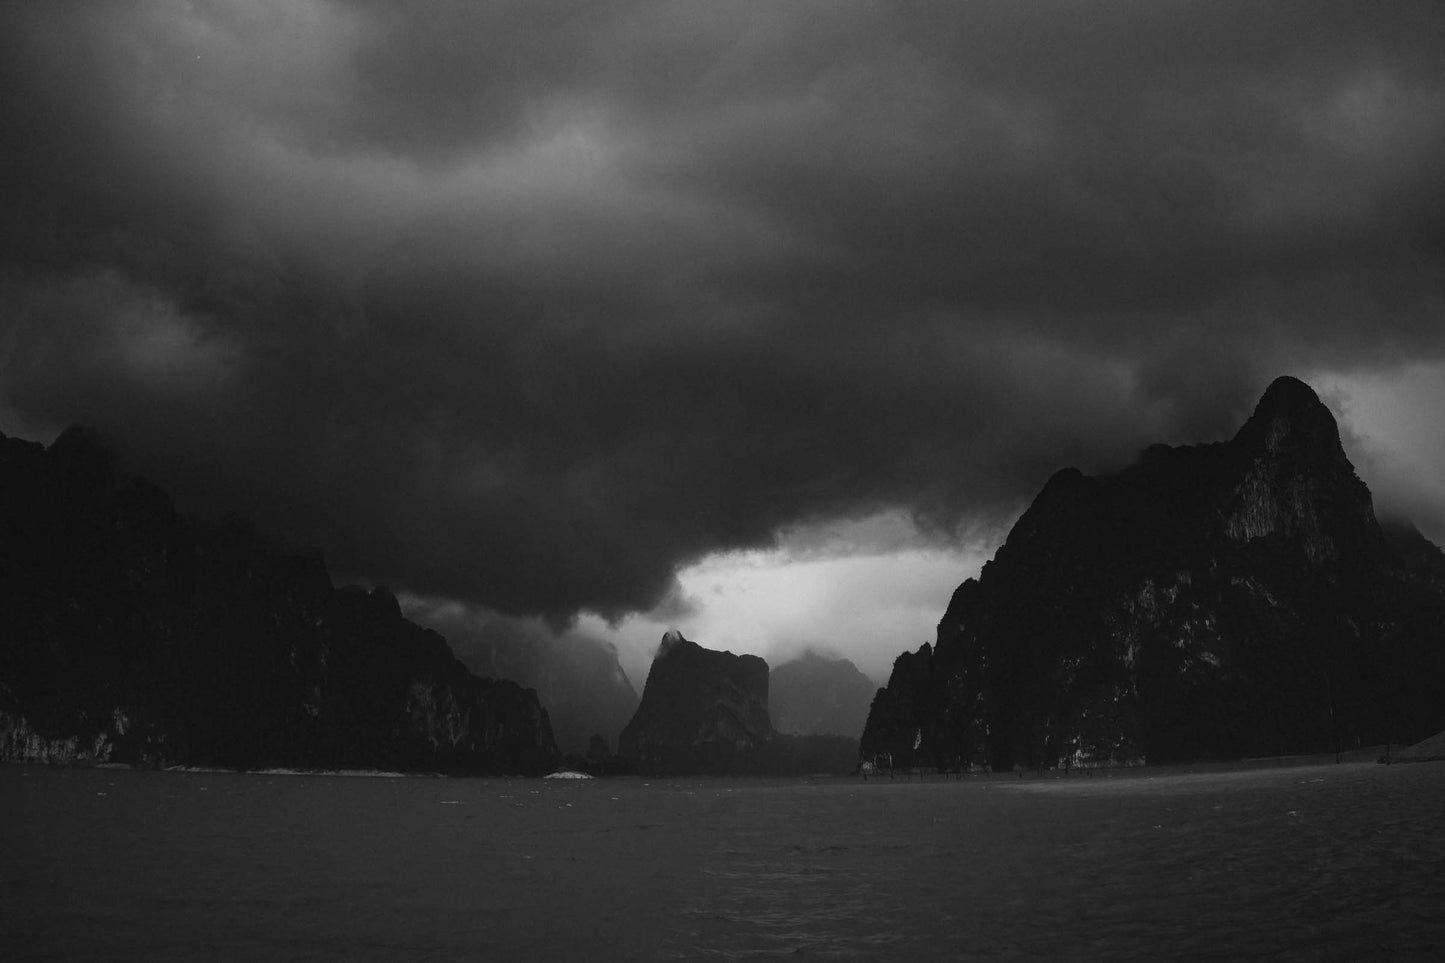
1305, 861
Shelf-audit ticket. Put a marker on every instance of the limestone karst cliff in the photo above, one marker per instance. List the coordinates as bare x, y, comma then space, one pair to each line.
706, 712
1223, 600
702, 711
129, 633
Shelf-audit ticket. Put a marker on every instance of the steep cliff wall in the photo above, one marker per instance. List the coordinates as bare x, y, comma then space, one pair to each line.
1219, 600
702, 711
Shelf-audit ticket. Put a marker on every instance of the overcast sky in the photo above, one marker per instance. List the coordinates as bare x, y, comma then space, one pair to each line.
759, 319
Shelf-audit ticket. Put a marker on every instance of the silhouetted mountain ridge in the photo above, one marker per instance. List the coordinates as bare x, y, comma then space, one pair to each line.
1228, 599
704, 711
130, 633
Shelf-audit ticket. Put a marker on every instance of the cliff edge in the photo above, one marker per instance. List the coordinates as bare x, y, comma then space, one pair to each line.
1213, 601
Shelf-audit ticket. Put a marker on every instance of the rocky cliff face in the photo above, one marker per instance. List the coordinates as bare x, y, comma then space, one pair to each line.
815, 695
702, 711
1231, 599
129, 633
706, 712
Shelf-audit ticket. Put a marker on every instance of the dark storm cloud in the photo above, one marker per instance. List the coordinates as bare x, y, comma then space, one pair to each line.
529, 303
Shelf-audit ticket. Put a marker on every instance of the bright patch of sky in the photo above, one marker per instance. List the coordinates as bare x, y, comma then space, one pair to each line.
873, 588
1394, 432
864, 589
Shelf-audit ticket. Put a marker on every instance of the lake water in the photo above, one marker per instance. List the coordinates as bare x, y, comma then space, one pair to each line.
1304, 862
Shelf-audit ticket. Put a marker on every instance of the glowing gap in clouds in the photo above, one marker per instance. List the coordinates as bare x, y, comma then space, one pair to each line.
870, 589
866, 590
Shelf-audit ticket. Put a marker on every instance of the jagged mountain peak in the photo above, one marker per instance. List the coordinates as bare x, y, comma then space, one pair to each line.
1215, 599
1287, 391
702, 710
83, 452
129, 633
1290, 419
671, 639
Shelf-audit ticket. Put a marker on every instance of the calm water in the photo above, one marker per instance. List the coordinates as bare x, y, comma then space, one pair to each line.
1308, 862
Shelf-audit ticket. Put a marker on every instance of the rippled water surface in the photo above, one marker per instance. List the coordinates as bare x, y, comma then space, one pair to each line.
1329, 862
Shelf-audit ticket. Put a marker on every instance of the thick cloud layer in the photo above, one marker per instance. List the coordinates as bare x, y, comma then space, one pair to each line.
529, 304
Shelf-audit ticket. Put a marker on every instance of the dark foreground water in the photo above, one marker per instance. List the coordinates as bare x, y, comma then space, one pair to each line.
1328, 862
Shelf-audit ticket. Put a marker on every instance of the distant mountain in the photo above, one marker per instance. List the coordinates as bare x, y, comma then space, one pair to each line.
580, 681
702, 711
815, 694
706, 712
1223, 600
129, 633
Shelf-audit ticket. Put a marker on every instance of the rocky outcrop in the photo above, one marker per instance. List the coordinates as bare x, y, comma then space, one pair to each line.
1222, 600
817, 695
702, 711
131, 634
705, 712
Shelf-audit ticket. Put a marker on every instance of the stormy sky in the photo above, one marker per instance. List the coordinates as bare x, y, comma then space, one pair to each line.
761, 319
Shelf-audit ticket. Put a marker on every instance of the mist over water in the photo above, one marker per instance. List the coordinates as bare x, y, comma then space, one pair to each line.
1303, 862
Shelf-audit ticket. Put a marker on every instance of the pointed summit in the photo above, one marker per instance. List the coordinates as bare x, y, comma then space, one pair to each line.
702, 711
1288, 391
670, 640
1218, 601
85, 454
1290, 421
1300, 483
